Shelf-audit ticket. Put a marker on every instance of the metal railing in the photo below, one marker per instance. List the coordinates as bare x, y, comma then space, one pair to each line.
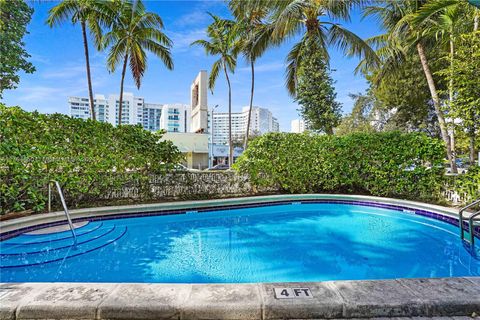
471, 228
470, 221
65, 209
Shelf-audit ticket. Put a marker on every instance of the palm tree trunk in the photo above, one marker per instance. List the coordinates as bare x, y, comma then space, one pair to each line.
89, 78
245, 143
120, 102
230, 142
436, 104
475, 20
450, 98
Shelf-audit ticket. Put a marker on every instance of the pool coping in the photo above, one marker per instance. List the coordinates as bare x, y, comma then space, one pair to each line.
441, 297
13, 227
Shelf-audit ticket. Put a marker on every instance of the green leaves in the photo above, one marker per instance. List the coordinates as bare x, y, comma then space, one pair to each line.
389, 164
89, 159
15, 15
315, 92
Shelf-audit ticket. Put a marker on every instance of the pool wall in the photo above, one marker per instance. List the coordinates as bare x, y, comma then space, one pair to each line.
14, 227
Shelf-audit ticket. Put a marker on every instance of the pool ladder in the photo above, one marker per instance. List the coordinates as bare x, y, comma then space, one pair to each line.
471, 222
65, 209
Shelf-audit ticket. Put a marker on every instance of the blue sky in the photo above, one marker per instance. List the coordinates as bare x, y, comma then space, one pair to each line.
59, 59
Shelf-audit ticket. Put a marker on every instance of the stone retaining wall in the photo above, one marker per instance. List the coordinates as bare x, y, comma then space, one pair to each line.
187, 185
326, 300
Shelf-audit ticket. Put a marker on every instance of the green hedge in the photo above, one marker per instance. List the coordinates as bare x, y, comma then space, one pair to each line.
81, 155
468, 183
390, 164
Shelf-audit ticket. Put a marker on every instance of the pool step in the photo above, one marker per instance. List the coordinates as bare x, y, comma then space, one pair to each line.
109, 236
28, 239
39, 247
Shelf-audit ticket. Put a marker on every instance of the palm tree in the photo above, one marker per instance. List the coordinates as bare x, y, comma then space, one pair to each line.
89, 13
312, 19
135, 31
223, 42
404, 37
254, 35
445, 19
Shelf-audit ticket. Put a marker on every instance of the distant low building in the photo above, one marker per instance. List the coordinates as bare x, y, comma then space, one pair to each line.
297, 126
194, 147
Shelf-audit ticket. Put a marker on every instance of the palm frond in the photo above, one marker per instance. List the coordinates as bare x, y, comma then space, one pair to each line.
294, 60
138, 62
212, 79
352, 44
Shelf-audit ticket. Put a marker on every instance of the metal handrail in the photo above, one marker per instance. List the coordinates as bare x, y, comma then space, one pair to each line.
460, 219
65, 209
472, 228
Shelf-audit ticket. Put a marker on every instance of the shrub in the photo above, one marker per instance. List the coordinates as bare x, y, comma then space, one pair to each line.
391, 164
82, 155
468, 183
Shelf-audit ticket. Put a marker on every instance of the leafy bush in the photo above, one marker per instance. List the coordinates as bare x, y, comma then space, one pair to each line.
468, 183
82, 155
391, 164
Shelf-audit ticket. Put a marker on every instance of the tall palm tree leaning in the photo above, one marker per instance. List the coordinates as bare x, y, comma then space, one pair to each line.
133, 32
254, 36
403, 37
91, 14
312, 18
223, 42
446, 20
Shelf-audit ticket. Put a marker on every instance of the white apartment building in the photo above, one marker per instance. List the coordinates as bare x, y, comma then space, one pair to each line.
297, 126
262, 122
152, 116
175, 118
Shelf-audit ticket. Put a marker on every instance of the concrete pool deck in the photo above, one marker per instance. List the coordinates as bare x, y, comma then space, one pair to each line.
443, 297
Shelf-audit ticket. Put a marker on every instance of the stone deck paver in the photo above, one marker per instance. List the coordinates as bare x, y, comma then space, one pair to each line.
443, 298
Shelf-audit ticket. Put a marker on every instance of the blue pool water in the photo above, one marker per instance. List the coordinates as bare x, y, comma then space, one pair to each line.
291, 242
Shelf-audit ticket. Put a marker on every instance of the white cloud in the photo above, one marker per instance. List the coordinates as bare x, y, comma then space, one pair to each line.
45, 93
183, 40
266, 67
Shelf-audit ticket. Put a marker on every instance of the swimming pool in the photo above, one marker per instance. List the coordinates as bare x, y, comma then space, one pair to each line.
283, 242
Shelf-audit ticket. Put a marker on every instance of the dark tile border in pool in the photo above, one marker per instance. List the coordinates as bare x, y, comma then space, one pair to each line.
378, 204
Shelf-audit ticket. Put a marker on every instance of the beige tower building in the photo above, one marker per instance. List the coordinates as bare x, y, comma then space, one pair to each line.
198, 103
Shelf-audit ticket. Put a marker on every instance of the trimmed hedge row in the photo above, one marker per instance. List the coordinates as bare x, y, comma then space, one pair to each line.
390, 164
36, 148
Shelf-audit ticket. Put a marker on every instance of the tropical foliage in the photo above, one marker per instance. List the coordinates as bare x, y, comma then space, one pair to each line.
134, 31
224, 43
315, 92
254, 35
315, 22
89, 13
82, 155
15, 15
391, 164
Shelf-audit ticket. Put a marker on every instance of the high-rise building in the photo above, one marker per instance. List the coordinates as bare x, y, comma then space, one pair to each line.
297, 126
80, 107
262, 122
175, 118
152, 116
